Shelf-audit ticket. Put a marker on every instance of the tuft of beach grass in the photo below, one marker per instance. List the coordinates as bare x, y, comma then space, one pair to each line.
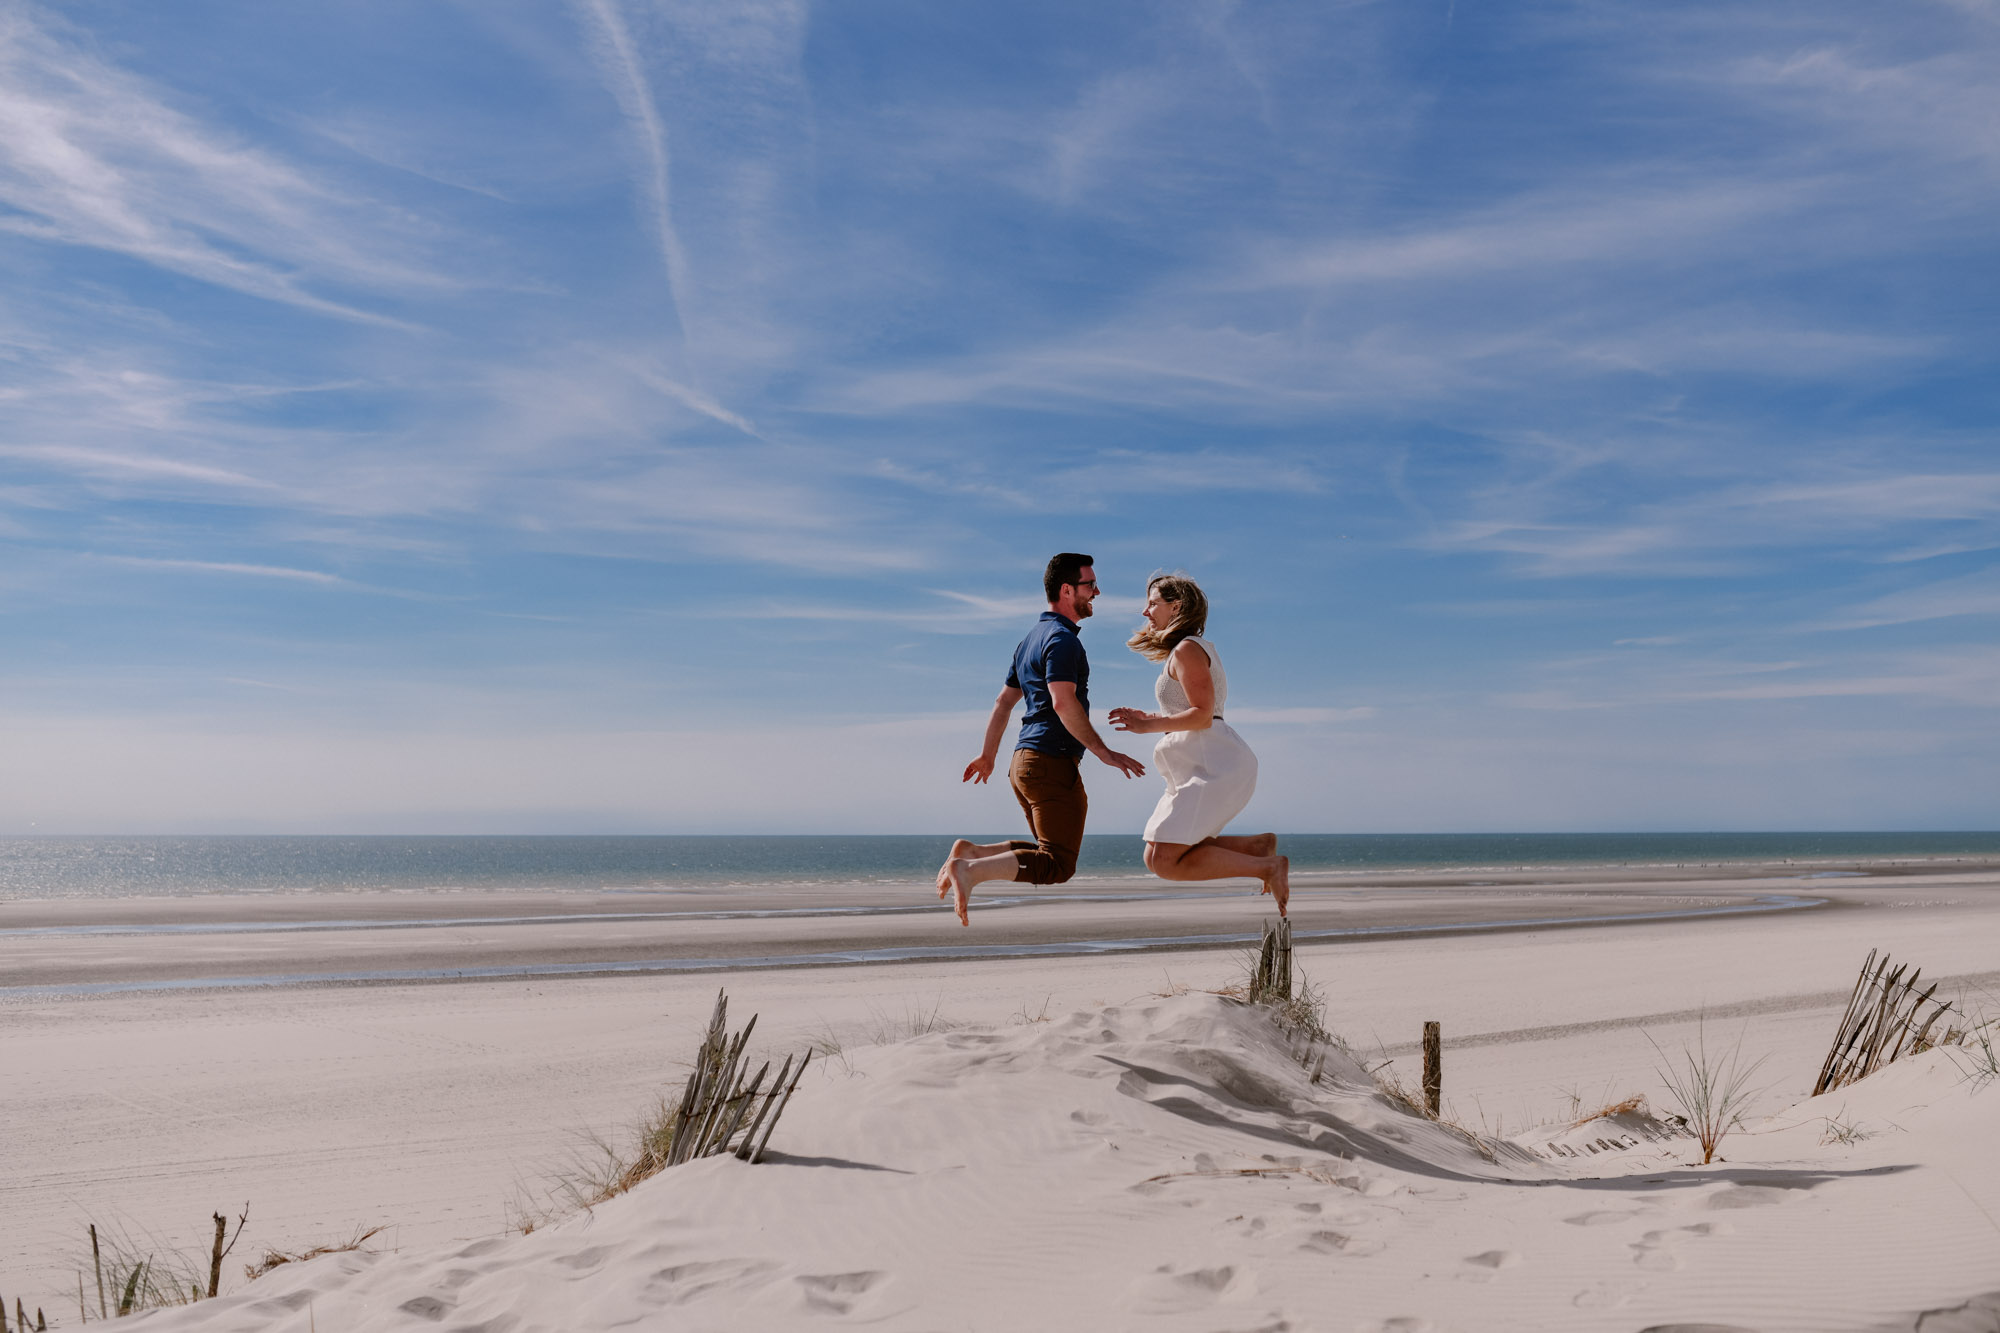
1712, 1087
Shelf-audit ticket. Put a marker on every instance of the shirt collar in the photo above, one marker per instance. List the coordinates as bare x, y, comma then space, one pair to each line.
1058, 616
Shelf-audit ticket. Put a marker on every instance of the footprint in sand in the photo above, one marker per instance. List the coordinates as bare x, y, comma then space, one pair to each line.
836, 1293
682, 1283
1652, 1254
1482, 1267
425, 1307
1603, 1217
583, 1259
1746, 1196
1169, 1289
1339, 1242
1654, 1250
1606, 1295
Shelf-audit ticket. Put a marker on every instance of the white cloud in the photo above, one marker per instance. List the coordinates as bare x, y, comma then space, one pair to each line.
225, 567
1937, 107
1299, 716
1613, 224
100, 462
1101, 126
626, 78
92, 156
967, 612
1718, 526
1976, 594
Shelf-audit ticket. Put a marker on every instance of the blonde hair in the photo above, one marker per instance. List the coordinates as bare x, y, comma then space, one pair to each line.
1190, 616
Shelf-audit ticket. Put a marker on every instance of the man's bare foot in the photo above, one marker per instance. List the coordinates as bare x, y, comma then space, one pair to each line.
959, 848
958, 878
1279, 883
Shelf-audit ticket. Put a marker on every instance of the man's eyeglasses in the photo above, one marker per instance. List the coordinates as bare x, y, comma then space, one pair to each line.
1088, 583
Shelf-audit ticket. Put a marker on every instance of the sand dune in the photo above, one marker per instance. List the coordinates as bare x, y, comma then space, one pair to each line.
1169, 1164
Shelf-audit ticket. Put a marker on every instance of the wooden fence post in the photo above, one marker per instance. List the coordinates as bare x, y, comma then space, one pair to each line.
1433, 1068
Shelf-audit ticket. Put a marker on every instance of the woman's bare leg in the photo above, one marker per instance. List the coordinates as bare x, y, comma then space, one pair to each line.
1253, 844
1210, 859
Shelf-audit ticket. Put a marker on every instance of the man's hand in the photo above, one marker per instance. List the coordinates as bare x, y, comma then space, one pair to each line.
1134, 720
1124, 763
1062, 694
981, 768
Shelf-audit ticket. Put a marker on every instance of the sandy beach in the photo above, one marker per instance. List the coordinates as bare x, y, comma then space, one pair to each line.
1059, 1126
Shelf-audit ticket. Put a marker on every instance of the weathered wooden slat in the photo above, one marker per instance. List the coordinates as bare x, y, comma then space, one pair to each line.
750, 1135
783, 1102
1885, 1019
743, 1099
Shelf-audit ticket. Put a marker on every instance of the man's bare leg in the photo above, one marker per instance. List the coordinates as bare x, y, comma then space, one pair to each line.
964, 873
1210, 859
963, 849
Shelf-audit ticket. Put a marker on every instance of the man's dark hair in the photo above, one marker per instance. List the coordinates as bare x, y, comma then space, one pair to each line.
1063, 569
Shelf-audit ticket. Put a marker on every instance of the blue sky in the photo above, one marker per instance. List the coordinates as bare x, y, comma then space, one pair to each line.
631, 416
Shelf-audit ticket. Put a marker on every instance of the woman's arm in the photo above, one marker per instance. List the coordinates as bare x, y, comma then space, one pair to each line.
1189, 665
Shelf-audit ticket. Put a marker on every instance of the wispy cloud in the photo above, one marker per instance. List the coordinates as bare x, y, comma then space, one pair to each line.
100, 462
92, 156
1959, 678
964, 612
1565, 230
1101, 124
1715, 527
225, 567
626, 78
1300, 716
1935, 106
695, 399
1976, 594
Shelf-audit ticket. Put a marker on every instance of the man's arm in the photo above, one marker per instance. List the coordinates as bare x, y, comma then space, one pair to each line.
1062, 693
981, 768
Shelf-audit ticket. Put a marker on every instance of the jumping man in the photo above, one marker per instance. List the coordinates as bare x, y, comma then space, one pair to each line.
1051, 672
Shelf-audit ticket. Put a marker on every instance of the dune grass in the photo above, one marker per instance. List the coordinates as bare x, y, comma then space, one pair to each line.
721, 1098
128, 1276
279, 1258
1635, 1104
1712, 1087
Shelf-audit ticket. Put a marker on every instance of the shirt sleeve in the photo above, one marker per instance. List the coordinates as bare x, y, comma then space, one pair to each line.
1064, 659
1013, 676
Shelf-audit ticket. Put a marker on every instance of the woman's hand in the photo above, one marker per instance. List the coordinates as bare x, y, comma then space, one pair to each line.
1134, 720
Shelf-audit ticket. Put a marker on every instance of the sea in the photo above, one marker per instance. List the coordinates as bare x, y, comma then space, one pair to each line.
150, 866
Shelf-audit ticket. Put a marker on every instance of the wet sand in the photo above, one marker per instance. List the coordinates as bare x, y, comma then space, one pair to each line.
386, 938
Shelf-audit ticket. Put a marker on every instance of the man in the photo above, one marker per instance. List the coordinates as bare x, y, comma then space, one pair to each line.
1051, 672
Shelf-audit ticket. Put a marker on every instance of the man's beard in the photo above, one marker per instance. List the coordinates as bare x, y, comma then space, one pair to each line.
1083, 611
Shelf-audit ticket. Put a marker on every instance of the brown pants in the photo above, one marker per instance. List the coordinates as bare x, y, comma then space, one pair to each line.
1050, 790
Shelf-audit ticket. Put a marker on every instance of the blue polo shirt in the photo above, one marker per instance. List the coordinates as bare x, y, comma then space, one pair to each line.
1052, 651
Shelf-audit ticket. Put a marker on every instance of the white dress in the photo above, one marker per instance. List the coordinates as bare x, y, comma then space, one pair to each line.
1210, 774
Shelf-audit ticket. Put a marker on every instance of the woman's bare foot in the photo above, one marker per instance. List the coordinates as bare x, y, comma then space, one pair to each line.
1279, 883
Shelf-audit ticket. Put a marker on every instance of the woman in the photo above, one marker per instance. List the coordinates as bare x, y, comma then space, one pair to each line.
1210, 772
